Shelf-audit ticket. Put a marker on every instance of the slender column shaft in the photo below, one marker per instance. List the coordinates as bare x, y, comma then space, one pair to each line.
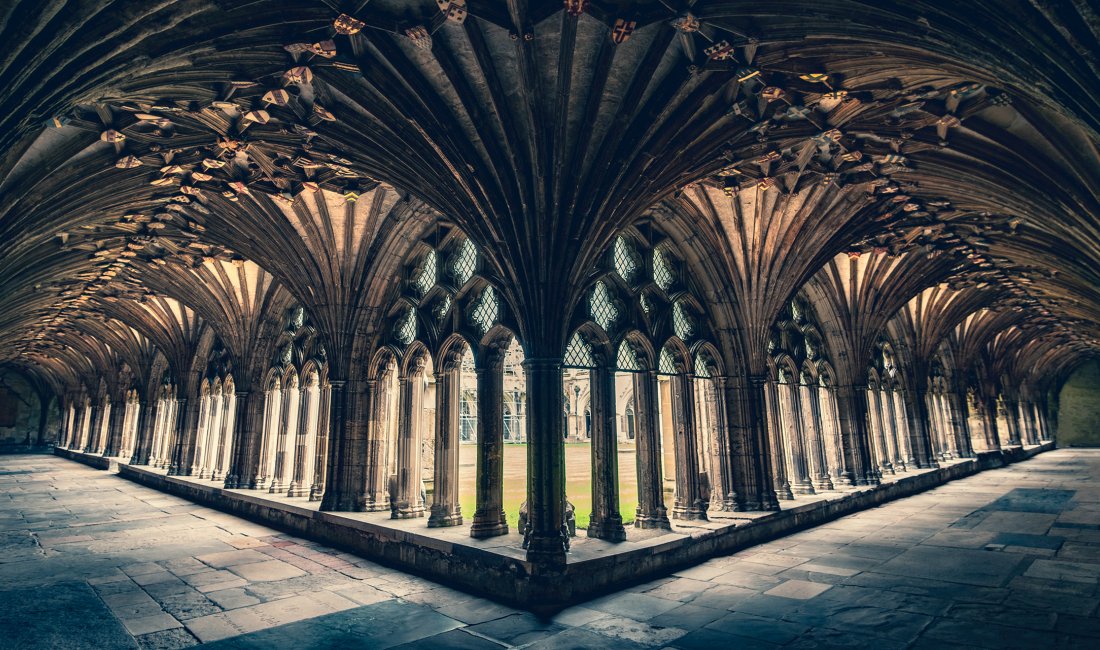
489, 517
143, 435
317, 489
689, 504
298, 483
92, 429
723, 494
855, 440
408, 502
378, 427
790, 414
778, 446
115, 428
920, 433
606, 521
1012, 422
811, 425
989, 422
446, 510
346, 479
247, 431
546, 538
651, 511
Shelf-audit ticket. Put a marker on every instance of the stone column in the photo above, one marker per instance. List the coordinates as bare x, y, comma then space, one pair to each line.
219, 469
606, 521
689, 504
651, 511
143, 434
894, 414
920, 433
301, 444
377, 469
723, 494
791, 416
546, 537
989, 423
811, 424
187, 415
317, 490
489, 517
346, 479
1011, 414
878, 433
408, 502
280, 434
115, 428
905, 429
88, 442
244, 453
446, 510
851, 404
779, 451
202, 437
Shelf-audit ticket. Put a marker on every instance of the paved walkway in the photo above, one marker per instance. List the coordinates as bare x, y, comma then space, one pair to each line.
1009, 558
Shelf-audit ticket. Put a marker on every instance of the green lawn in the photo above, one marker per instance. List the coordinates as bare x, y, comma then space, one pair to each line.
578, 481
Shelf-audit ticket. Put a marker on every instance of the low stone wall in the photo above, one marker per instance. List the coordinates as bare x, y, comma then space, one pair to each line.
487, 572
92, 460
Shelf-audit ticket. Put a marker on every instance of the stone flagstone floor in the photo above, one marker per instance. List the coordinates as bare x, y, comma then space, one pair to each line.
1008, 558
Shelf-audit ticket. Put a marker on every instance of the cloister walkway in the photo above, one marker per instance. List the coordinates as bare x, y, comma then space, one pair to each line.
1008, 558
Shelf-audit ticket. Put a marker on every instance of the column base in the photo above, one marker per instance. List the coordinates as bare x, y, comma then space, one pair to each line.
611, 530
823, 483
316, 492
486, 525
652, 522
444, 518
275, 487
547, 550
803, 487
694, 513
295, 490
783, 491
408, 512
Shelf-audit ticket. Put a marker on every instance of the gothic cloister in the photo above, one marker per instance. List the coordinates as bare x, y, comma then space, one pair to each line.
544, 298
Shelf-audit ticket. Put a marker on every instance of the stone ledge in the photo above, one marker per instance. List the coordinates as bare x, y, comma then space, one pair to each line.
496, 567
92, 460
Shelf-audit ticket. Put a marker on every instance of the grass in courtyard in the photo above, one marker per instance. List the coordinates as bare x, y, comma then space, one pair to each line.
578, 482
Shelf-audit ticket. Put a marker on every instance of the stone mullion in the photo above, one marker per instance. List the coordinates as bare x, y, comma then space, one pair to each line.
296, 488
723, 494
317, 489
606, 521
546, 537
946, 434
186, 420
245, 441
408, 502
778, 456
446, 510
489, 518
651, 511
345, 478
792, 423
689, 502
811, 414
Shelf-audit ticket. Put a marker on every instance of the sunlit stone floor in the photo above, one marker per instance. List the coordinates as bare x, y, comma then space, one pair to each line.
1008, 558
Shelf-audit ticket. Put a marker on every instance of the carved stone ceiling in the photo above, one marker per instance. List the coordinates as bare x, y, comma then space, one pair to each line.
137, 136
